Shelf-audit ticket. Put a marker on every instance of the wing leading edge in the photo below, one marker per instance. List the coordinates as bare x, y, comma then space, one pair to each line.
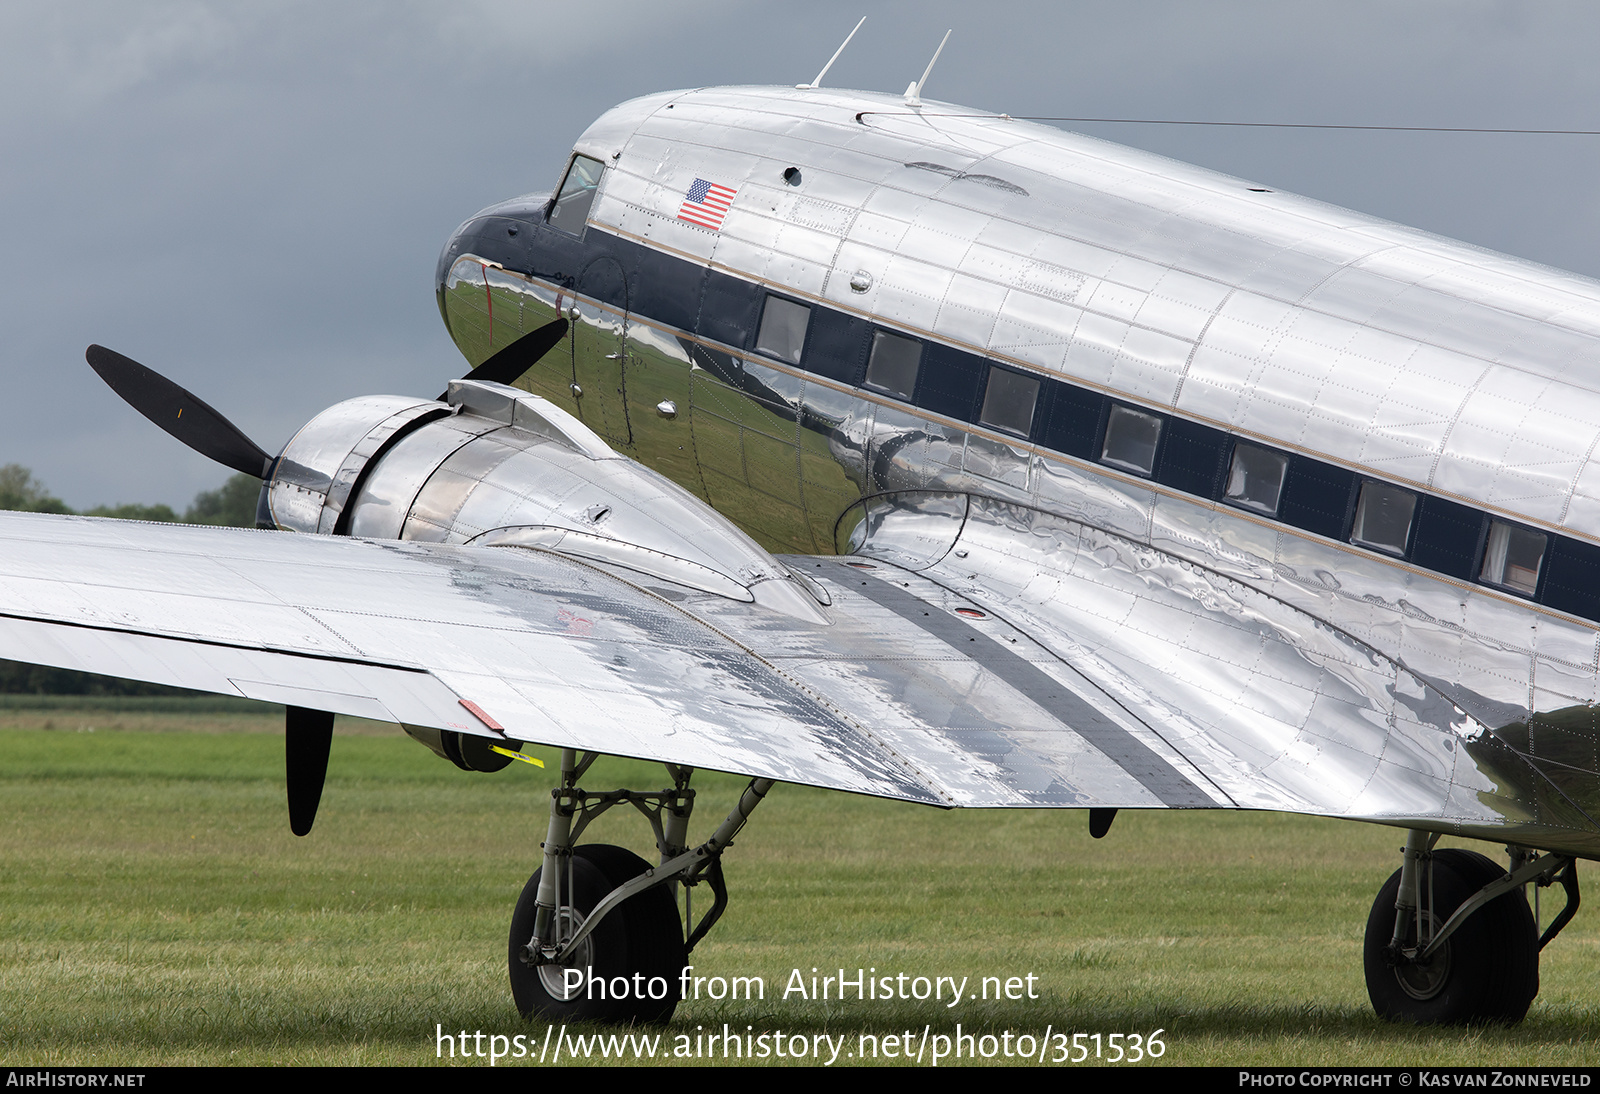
977, 654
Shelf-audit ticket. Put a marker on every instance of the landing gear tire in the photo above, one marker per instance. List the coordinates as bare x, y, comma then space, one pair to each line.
637, 948
1486, 972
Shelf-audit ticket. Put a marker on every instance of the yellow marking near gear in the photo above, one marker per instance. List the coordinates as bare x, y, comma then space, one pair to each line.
517, 756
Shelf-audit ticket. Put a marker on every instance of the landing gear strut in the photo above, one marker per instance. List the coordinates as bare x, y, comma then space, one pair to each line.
1451, 939
596, 935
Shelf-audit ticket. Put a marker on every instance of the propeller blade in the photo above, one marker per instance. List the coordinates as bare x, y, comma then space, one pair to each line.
509, 364
307, 736
180, 413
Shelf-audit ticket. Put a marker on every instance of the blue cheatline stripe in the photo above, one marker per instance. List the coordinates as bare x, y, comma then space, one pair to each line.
1318, 497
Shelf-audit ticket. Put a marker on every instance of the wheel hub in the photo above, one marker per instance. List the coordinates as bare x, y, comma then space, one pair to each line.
1423, 978
553, 976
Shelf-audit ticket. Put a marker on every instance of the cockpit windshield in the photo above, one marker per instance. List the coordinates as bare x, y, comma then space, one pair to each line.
571, 208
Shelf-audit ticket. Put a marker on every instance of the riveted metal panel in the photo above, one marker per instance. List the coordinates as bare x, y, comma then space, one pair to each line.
1096, 500
1004, 465
379, 511
968, 313
435, 514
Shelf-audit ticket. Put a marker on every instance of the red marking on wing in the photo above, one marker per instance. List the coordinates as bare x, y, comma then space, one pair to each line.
576, 624
478, 713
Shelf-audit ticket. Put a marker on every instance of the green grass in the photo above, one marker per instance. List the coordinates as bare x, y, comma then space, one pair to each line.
154, 909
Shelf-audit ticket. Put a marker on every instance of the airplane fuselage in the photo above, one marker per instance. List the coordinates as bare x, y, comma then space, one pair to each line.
1155, 489
1391, 431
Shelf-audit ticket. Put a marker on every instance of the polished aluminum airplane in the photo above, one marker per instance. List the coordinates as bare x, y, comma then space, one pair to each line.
893, 447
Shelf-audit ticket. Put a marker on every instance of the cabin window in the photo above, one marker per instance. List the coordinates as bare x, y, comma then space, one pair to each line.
783, 329
1255, 478
1383, 517
1513, 557
1131, 439
1008, 401
893, 365
570, 210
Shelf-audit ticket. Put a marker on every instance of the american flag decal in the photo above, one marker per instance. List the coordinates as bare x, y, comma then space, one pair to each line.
706, 204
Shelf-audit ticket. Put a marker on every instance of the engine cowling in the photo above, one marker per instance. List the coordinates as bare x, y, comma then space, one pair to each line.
312, 479
496, 466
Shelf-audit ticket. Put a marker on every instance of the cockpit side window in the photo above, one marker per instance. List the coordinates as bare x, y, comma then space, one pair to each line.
570, 210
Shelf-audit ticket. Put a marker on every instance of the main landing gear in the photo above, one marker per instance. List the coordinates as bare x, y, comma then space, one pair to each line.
597, 934
1451, 939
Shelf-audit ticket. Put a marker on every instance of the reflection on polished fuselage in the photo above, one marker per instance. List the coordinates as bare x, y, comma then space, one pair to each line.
1391, 432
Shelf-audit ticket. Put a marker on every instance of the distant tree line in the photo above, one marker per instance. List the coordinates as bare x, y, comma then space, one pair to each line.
233, 504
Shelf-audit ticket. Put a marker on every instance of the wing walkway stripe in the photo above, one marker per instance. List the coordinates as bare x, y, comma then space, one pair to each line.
1123, 749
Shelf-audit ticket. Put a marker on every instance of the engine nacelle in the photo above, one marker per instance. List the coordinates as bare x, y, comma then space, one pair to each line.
314, 476
466, 751
497, 466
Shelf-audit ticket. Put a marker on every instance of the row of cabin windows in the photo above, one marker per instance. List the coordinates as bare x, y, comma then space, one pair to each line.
895, 364
1384, 516
1435, 534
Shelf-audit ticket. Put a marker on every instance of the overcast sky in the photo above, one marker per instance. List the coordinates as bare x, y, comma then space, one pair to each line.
250, 198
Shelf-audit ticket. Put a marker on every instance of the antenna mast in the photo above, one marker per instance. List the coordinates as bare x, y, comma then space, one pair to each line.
914, 92
816, 83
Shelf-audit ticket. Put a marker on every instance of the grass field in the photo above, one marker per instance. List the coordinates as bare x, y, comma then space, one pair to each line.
154, 909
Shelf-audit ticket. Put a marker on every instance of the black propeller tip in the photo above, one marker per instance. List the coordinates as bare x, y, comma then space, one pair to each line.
307, 738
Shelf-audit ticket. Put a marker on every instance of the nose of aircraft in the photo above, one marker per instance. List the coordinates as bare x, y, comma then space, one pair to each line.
454, 248
501, 233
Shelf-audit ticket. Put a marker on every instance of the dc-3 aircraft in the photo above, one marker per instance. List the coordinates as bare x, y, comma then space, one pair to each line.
899, 448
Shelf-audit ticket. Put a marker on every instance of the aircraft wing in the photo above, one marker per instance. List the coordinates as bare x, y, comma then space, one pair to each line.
994, 658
